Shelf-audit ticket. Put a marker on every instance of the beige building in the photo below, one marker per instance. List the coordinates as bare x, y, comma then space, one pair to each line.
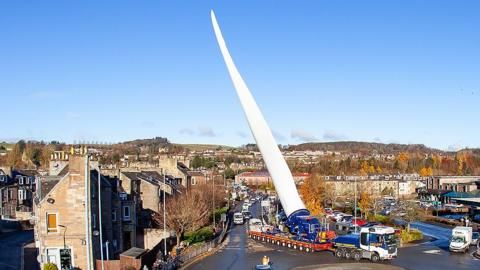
61, 231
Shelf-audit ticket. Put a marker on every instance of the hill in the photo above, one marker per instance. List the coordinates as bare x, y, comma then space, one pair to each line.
364, 147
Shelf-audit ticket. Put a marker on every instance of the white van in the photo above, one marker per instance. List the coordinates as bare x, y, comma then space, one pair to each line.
238, 218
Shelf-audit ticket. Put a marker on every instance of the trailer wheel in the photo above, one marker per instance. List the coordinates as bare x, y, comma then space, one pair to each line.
348, 254
308, 250
263, 239
339, 253
278, 243
357, 256
289, 245
283, 244
294, 246
300, 248
375, 258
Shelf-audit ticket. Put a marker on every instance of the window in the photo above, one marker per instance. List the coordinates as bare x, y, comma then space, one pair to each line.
114, 215
21, 194
364, 239
126, 213
27, 180
20, 180
52, 225
194, 182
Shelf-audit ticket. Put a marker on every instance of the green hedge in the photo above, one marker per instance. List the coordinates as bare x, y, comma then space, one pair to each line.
201, 235
411, 236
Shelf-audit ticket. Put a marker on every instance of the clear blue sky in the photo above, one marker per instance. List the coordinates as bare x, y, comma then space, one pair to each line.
109, 71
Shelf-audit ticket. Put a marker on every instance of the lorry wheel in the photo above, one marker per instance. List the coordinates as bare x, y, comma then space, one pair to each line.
357, 256
339, 253
283, 244
375, 258
348, 254
289, 245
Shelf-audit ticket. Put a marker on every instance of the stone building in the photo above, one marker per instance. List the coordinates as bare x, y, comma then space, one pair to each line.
62, 229
17, 195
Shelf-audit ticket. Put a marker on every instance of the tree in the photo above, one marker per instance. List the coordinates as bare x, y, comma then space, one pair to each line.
366, 203
424, 172
15, 157
313, 194
229, 173
188, 212
409, 212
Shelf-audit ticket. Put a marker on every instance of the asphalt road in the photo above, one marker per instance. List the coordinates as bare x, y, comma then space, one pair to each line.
11, 248
243, 253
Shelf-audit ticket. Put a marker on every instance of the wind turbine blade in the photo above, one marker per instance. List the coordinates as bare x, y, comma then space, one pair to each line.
276, 165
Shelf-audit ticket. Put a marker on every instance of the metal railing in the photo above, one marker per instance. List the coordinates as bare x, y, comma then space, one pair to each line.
193, 252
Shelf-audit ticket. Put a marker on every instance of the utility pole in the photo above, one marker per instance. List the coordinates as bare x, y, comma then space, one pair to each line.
88, 227
213, 196
165, 217
100, 214
355, 209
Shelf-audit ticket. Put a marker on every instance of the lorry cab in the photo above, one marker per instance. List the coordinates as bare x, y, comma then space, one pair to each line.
238, 218
380, 240
461, 239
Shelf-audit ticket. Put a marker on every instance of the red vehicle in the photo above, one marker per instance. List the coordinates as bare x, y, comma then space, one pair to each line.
359, 222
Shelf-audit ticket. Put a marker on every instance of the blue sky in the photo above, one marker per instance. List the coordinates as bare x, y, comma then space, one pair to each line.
405, 72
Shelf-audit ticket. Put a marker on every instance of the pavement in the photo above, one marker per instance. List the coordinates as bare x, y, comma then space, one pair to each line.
11, 245
241, 253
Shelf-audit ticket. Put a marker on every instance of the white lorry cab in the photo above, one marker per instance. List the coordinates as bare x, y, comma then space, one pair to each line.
461, 239
238, 218
255, 225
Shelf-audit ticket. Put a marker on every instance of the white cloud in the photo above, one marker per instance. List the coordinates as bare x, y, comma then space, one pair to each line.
331, 135
303, 135
187, 131
206, 132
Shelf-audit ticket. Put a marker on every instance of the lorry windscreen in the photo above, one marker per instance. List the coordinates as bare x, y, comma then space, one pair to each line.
390, 239
458, 239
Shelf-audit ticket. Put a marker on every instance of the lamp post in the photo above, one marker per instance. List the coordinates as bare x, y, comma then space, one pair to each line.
100, 214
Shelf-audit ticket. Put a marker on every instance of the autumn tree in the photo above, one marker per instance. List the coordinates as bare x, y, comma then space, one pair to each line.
424, 172
14, 158
365, 203
313, 194
187, 212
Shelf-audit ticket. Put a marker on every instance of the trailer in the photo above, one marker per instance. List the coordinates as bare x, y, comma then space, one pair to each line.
286, 240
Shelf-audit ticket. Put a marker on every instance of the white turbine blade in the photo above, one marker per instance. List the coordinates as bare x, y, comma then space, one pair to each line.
281, 175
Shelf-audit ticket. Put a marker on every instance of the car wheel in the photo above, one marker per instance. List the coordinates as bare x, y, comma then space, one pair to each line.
375, 258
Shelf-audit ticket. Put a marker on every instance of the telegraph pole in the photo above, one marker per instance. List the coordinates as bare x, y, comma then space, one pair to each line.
165, 217
100, 214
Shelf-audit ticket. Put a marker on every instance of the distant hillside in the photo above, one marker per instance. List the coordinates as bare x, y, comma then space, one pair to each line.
364, 147
201, 147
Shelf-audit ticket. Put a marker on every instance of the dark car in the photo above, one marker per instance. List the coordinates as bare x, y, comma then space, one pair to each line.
247, 215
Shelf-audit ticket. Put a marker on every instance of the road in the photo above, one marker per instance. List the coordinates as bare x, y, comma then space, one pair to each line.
242, 253
11, 248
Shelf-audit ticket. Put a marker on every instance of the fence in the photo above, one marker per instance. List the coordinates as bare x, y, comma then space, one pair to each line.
193, 252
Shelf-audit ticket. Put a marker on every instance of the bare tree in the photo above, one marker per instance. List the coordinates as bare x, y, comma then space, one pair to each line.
187, 212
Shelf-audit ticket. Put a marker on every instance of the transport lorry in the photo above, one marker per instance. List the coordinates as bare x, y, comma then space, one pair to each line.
375, 243
461, 239
238, 218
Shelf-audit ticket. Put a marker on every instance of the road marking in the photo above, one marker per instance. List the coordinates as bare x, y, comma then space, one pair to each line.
432, 251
